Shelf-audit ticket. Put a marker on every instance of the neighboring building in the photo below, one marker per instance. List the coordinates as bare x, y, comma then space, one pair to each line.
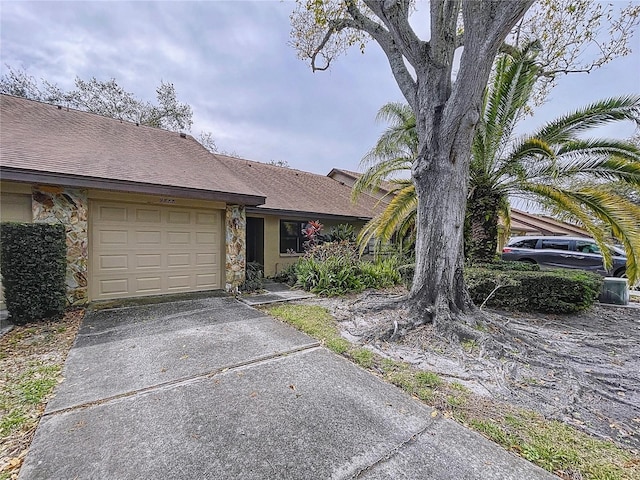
522, 223
152, 212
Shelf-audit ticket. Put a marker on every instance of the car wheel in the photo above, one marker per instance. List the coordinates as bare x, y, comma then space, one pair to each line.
620, 273
527, 260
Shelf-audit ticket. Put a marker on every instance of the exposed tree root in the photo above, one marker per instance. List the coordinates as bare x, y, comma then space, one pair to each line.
582, 369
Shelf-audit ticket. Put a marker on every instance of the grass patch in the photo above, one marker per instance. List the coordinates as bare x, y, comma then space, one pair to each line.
30, 368
554, 446
37, 383
362, 357
315, 321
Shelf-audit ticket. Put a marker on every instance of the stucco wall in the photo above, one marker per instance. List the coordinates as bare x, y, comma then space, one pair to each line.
274, 261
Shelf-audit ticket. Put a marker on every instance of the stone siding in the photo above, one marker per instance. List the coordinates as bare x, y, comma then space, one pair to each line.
69, 207
235, 239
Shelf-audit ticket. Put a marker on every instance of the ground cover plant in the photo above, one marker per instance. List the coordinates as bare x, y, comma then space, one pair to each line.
572, 448
335, 268
31, 360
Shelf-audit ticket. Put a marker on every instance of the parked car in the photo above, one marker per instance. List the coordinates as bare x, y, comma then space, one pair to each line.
564, 252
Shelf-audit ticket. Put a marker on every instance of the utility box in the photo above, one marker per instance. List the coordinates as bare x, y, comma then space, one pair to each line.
615, 291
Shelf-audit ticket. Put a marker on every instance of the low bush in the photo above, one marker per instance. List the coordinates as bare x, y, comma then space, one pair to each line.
509, 266
287, 275
554, 291
334, 269
33, 263
380, 274
253, 278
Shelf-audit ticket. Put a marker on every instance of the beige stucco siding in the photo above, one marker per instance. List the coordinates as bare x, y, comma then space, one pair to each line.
274, 261
14, 207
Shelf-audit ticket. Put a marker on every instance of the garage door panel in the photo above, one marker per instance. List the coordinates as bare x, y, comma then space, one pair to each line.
114, 287
149, 238
206, 219
149, 260
114, 262
179, 217
113, 237
112, 214
206, 259
178, 260
148, 215
149, 284
179, 281
205, 238
206, 280
139, 250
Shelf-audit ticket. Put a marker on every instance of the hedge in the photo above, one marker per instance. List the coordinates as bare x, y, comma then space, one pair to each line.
552, 291
33, 265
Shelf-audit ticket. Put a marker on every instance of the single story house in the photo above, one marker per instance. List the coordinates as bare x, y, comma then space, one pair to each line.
149, 211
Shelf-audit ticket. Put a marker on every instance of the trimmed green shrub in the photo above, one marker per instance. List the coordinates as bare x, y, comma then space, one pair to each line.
342, 233
508, 266
33, 263
253, 278
381, 274
553, 291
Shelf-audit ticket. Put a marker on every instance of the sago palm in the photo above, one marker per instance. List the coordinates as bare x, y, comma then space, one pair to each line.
556, 166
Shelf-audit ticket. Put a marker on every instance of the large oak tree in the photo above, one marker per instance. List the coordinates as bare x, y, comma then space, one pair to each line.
446, 109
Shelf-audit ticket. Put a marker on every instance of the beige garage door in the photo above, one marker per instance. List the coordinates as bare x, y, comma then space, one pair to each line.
139, 250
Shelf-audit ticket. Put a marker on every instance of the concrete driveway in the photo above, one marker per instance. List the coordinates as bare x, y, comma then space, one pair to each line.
213, 389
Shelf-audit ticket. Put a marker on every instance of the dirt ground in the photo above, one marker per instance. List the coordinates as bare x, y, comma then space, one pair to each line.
582, 369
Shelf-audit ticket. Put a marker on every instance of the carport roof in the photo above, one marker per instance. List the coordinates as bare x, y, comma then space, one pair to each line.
45, 143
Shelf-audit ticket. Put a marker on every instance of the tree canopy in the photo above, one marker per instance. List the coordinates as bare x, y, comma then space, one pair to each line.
589, 181
105, 98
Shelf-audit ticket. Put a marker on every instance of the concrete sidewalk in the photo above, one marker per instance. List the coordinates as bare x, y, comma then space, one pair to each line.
213, 389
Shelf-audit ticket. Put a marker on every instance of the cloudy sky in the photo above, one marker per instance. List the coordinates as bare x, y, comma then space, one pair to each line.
230, 61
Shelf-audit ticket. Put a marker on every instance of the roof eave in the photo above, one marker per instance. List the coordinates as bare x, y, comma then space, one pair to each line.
306, 215
77, 181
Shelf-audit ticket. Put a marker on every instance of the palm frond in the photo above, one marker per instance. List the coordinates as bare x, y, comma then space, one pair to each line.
568, 127
387, 223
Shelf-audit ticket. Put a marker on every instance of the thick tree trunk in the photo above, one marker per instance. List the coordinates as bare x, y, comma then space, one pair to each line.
446, 117
481, 225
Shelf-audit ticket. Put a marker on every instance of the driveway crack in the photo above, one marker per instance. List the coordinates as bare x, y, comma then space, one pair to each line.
392, 452
186, 379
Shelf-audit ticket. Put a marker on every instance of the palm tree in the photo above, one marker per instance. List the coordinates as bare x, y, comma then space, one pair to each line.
554, 166
388, 168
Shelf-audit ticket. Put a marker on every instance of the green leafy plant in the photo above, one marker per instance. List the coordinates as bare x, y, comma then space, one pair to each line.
253, 278
556, 291
33, 263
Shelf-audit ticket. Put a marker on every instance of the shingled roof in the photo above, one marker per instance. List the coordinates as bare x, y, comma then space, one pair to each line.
291, 191
50, 144
43, 143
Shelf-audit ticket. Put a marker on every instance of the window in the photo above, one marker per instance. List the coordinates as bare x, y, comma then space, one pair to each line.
291, 236
555, 244
585, 246
527, 243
